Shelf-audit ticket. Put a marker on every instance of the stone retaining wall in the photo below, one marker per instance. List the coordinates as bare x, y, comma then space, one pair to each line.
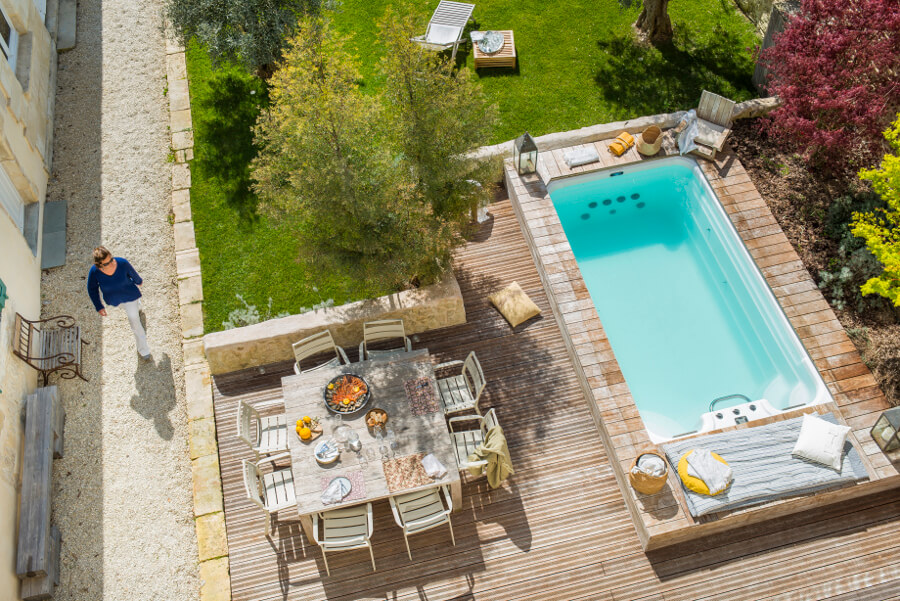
606, 131
428, 308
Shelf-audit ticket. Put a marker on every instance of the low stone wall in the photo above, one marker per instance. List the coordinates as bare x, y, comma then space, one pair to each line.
755, 107
427, 308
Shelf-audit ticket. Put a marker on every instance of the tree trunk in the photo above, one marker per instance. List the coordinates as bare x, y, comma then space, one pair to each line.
654, 21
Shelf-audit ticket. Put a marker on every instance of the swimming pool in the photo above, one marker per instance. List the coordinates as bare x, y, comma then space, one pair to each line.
688, 314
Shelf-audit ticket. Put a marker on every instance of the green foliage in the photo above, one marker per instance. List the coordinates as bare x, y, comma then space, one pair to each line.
249, 31
249, 315
341, 165
854, 264
436, 116
244, 252
880, 228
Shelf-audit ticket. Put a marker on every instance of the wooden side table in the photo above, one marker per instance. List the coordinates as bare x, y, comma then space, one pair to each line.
505, 57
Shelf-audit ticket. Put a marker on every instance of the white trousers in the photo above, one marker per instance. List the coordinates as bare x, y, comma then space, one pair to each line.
132, 310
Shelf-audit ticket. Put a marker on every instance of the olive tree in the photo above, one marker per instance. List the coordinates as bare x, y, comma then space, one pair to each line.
252, 32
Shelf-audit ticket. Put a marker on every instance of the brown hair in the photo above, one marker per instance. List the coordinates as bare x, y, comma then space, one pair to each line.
100, 255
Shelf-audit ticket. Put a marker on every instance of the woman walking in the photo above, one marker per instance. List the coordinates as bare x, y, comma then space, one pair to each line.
118, 281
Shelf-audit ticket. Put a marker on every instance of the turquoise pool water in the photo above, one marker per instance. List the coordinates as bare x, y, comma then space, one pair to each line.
688, 314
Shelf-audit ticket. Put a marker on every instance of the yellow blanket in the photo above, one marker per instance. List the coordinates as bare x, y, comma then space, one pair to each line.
496, 453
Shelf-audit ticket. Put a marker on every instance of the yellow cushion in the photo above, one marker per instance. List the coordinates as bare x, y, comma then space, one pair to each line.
695, 484
514, 304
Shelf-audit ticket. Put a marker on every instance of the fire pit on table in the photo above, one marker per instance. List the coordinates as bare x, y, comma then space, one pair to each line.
346, 394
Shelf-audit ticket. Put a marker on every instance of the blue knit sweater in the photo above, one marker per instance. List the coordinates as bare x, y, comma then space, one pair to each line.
120, 287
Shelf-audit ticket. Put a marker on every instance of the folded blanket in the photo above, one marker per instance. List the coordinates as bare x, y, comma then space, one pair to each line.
716, 475
580, 156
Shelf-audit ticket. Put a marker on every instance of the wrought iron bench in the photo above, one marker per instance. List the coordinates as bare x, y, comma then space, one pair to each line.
50, 345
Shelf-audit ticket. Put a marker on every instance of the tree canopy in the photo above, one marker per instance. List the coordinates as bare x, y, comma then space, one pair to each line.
377, 184
836, 69
252, 32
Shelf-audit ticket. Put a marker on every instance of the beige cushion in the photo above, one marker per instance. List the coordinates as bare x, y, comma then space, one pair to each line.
711, 134
514, 304
821, 441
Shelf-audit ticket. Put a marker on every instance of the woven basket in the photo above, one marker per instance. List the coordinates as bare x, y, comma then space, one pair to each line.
649, 141
649, 485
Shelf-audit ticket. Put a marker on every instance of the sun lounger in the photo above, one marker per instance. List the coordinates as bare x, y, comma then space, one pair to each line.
764, 469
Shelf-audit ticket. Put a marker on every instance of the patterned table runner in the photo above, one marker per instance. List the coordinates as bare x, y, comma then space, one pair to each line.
403, 473
421, 397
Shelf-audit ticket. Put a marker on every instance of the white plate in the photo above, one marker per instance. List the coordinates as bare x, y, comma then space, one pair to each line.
345, 484
324, 456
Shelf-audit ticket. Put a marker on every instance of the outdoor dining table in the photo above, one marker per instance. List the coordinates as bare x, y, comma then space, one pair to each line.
419, 429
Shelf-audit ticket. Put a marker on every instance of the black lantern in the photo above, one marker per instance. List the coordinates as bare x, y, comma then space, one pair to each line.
525, 154
886, 431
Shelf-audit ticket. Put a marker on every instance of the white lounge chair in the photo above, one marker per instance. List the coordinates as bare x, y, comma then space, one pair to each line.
386, 329
462, 392
445, 29
270, 435
272, 491
344, 529
713, 122
422, 510
318, 344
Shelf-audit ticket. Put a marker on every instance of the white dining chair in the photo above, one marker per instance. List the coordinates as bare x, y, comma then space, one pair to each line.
422, 510
379, 331
344, 529
318, 344
264, 435
462, 391
272, 491
466, 441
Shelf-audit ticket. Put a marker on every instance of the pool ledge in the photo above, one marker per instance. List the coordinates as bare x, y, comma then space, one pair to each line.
662, 520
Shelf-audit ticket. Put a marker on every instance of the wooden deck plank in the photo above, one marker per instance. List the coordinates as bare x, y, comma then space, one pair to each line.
561, 530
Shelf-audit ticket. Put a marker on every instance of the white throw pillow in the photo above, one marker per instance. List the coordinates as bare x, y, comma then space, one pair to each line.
821, 441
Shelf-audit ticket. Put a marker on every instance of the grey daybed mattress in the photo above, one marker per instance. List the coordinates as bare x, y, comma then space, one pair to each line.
763, 467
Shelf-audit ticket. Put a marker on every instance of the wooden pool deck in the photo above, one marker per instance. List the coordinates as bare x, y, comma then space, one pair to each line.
663, 519
560, 529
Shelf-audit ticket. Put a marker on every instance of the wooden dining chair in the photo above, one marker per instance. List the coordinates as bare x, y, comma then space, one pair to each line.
422, 510
272, 491
466, 441
264, 435
461, 392
318, 344
379, 331
344, 529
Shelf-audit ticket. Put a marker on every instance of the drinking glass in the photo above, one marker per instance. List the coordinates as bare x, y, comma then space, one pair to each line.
392, 441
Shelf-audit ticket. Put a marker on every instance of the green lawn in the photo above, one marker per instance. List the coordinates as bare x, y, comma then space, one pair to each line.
578, 66
242, 252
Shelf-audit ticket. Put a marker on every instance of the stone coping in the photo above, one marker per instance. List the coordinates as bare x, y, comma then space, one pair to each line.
209, 522
663, 519
755, 107
427, 308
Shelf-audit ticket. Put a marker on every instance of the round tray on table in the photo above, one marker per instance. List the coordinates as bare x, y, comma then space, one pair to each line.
338, 387
491, 42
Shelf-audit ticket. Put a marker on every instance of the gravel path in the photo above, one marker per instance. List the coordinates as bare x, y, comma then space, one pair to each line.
122, 492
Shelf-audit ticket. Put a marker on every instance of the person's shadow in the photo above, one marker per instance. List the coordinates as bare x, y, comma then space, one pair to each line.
156, 394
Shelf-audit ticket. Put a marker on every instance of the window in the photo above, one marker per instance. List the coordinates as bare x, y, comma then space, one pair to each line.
9, 39
11, 200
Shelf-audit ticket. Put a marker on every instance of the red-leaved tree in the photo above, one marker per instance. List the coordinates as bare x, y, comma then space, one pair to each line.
836, 68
